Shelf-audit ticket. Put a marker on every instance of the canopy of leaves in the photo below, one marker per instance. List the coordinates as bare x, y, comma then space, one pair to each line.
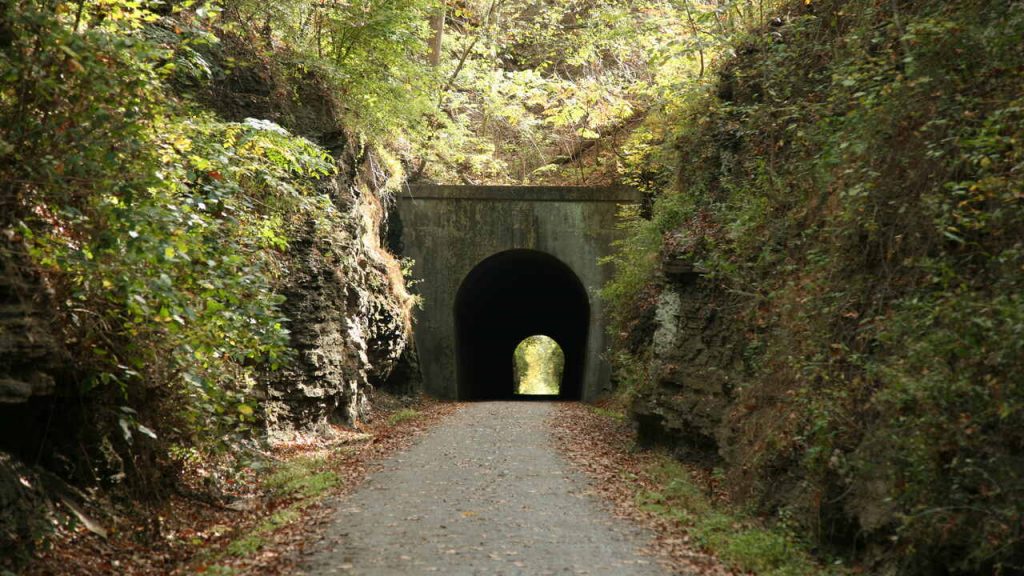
529, 86
371, 52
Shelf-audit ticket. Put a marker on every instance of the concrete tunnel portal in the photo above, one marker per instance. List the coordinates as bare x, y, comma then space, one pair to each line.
498, 264
503, 300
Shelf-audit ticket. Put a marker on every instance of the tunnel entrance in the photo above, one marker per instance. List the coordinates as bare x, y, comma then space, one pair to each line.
505, 299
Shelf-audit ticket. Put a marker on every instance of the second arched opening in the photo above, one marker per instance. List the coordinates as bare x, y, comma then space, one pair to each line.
507, 298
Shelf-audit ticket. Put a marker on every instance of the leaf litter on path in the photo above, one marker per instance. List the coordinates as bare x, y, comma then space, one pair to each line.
604, 449
259, 530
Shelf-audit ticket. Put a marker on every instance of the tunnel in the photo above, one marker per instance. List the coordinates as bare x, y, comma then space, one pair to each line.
503, 300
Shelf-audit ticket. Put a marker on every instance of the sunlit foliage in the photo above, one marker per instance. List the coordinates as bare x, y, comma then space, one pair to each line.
371, 51
531, 85
160, 228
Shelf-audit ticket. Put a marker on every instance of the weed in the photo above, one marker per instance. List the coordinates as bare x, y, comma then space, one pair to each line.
609, 413
737, 539
403, 415
245, 546
303, 478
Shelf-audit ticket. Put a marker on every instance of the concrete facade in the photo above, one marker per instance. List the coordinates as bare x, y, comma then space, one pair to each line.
449, 230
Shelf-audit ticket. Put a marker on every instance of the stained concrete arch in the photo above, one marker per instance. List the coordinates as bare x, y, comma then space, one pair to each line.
506, 298
449, 230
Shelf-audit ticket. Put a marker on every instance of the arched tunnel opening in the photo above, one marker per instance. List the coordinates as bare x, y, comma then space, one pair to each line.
502, 301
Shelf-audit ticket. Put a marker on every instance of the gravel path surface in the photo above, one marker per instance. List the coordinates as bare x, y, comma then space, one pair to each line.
483, 493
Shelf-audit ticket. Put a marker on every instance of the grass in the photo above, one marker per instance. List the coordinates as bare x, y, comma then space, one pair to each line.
254, 540
609, 413
303, 480
302, 477
403, 415
295, 484
739, 540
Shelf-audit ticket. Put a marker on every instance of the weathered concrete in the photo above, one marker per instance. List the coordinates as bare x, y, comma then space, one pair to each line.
449, 230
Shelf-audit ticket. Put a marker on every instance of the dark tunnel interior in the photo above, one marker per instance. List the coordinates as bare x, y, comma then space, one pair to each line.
506, 298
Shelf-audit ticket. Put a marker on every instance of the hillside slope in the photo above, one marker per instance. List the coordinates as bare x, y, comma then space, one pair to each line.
830, 297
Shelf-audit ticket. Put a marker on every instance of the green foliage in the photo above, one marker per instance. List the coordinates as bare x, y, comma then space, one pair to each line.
295, 484
538, 366
370, 52
636, 260
614, 414
854, 176
302, 478
253, 541
957, 410
161, 227
631, 373
529, 85
245, 546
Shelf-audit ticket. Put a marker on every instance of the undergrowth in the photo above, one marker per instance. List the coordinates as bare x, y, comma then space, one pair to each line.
291, 486
302, 478
162, 233
739, 540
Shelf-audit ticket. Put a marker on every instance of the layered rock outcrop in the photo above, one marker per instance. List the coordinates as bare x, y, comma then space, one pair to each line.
30, 351
695, 363
349, 315
346, 301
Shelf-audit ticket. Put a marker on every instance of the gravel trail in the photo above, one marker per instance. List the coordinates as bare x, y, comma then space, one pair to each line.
485, 492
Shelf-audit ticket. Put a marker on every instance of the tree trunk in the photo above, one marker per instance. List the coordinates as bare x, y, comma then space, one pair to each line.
437, 25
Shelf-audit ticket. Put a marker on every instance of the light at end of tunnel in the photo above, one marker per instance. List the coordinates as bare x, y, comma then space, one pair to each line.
538, 366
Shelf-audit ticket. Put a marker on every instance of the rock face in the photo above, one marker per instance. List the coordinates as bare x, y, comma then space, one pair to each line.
695, 363
31, 355
29, 350
34, 364
346, 302
348, 313
22, 510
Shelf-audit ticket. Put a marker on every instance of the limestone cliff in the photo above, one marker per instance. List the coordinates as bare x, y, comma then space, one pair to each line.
346, 310
347, 306
851, 357
349, 313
